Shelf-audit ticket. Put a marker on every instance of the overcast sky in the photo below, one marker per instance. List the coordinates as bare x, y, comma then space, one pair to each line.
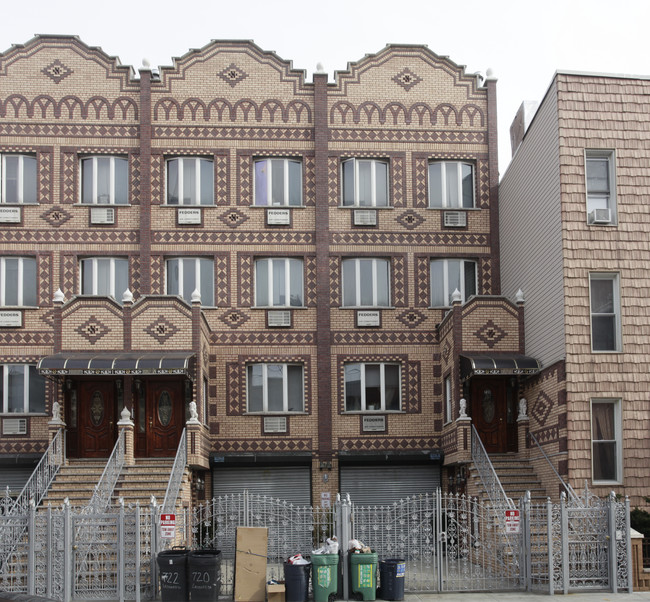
523, 42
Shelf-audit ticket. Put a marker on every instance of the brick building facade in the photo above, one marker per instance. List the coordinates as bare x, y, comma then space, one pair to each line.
315, 265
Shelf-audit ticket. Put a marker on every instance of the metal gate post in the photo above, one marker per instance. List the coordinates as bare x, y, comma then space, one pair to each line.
611, 560
120, 551
49, 580
153, 510
628, 547
344, 514
526, 555
564, 521
137, 552
439, 537
549, 546
31, 548
68, 553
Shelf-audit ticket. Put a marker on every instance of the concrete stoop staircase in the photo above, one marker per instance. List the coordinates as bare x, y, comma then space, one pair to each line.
76, 481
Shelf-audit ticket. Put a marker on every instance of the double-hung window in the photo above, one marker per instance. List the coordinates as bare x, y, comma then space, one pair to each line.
278, 182
605, 312
279, 282
448, 275
105, 276
18, 282
190, 181
22, 389
275, 388
365, 183
366, 282
18, 179
451, 185
601, 190
104, 180
606, 440
187, 274
372, 387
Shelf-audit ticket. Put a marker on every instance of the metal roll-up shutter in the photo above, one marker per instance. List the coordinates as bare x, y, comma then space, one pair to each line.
382, 485
15, 478
290, 483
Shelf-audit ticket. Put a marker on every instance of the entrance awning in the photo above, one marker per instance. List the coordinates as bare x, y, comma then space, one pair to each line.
472, 364
116, 364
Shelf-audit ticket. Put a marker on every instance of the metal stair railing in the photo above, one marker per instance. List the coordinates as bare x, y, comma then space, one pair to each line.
570, 492
176, 476
488, 475
106, 484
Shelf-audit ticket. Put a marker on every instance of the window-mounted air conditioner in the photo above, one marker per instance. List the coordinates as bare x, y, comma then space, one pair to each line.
275, 424
14, 426
279, 318
600, 216
455, 219
102, 215
365, 217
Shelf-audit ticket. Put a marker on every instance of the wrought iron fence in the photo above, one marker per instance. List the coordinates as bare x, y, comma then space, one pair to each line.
176, 477
106, 484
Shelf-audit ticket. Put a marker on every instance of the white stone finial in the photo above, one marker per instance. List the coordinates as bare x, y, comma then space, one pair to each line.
456, 297
56, 413
196, 296
319, 68
127, 297
58, 296
523, 409
519, 296
489, 74
462, 413
146, 64
125, 417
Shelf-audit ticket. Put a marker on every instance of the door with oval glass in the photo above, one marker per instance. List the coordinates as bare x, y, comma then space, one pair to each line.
165, 411
96, 419
489, 413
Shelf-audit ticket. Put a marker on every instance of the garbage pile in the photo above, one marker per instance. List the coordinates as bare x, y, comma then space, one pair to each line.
331, 546
356, 547
297, 559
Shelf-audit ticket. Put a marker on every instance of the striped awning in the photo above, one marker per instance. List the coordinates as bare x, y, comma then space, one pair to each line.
472, 364
116, 364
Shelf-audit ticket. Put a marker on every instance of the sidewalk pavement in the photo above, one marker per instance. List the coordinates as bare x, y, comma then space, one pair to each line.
527, 597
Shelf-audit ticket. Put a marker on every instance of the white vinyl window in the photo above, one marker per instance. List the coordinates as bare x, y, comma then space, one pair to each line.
187, 274
605, 312
275, 388
448, 410
106, 276
366, 282
365, 183
448, 275
451, 185
372, 387
601, 187
22, 389
18, 282
279, 282
18, 179
104, 180
190, 181
278, 182
606, 438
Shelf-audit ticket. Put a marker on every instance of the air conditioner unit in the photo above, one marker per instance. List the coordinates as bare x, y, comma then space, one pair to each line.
275, 424
102, 215
278, 318
365, 217
455, 219
600, 216
14, 426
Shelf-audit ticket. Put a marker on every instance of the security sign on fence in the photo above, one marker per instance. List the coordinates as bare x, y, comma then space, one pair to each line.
167, 526
512, 521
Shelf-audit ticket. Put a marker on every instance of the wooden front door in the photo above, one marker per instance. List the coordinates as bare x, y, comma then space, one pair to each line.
96, 419
489, 413
165, 413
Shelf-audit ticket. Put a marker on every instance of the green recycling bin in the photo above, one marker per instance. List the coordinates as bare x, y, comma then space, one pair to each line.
363, 573
324, 575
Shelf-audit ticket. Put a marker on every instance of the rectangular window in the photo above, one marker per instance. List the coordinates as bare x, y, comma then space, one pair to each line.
279, 282
104, 181
366, 282
278, 182
105, 276
448, 275
601, 187
190, 181
187, 274
365, 183
372, 388
18, 179
606, 440
451, 185
448, 411
605, 312
18, 282
22, 389
275, 388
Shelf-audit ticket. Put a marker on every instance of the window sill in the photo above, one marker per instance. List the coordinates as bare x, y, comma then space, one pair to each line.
373, 412
367, 307
300, 413
454, 208
381, 207
278, 307
3, 204
185, 206
605, 483
278, 206
102, 205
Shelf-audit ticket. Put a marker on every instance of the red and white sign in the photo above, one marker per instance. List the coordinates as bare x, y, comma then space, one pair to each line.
512, 521
167, 526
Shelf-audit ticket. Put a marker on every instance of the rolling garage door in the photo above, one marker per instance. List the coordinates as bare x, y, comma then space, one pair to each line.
381, 485
291, 483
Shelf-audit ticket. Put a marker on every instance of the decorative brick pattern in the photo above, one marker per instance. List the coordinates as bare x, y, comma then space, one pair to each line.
45, 175
232, 75
409, 219
410, 238
309, 174
384, 338
234, 318
233, 218
70, 107
542, 408
411, 318
407, 79
92, 330
69, 169
158, 284
256, 134
259, 338
26, 338
44, 280
412, 378
425, 136
263, 445
398, 182
221, 279
56, 216
221, 179
333, 193
246, 280
400, 282
490, 333
161, 329
388, 443
422, 280
57, 71
335, 279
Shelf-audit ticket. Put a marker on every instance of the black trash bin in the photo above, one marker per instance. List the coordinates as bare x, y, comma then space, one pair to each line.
296, 582
172, 569
204, 574
391, 579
